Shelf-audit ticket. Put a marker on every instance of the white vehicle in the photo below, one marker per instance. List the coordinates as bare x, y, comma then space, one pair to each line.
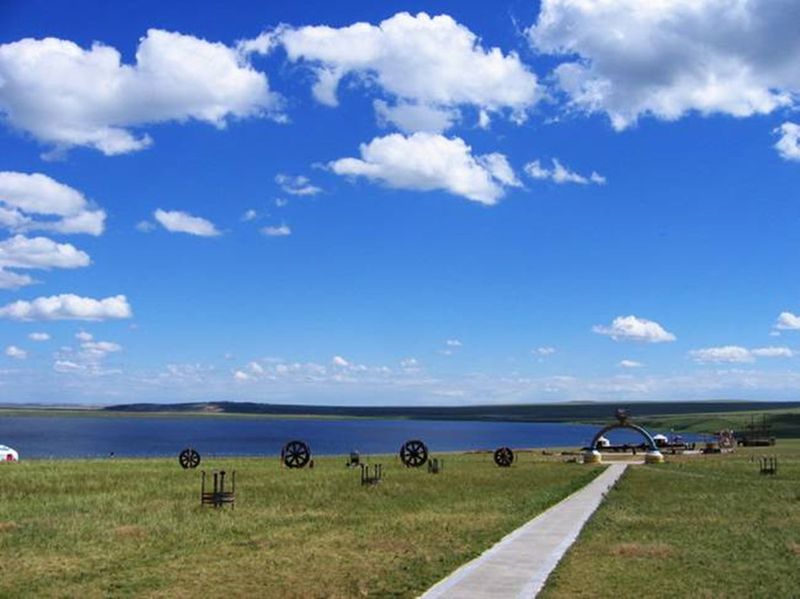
8, 455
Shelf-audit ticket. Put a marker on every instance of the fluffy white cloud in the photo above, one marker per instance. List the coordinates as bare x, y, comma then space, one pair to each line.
281, 231
249, 215
296, 185
88, 359
67, 96
428, 66
39, 336
68, 307
665, 58
12, 351
410, 118
561, 174
21, 252
544, 351
772, 352
453, 343
340, 362
630, 364
788, 145
727, 353
30, 202
426, 161
788, 321
738, 354
631, 328
176, 221
39, 252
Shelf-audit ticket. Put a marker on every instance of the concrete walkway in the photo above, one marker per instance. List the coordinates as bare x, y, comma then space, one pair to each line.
520, 563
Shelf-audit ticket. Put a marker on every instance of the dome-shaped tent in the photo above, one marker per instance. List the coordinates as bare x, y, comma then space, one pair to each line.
660, 440
8, 455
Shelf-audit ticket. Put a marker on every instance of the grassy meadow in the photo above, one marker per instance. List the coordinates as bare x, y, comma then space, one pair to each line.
122, 527
705, 526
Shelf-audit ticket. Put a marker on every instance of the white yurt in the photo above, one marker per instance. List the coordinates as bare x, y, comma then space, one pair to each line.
8, 455
603, 442
660, 440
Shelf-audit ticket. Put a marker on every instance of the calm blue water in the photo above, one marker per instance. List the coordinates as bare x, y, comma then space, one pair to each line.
44, 437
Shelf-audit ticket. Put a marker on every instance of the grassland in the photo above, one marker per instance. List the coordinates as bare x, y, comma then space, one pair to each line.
94, 528
708, 526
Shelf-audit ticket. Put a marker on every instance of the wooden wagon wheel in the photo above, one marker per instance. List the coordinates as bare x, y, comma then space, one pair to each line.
413, 453
189, 458
296, 454
504, 457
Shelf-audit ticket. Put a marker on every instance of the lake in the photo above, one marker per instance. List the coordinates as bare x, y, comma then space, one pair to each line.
86, 437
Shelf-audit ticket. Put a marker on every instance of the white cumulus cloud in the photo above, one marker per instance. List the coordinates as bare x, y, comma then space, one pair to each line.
176, 221
665, 58
297, 185
630, 364
36, 202
427, 66
66, 95
39, 336
772, 352
280, 231
426, 162
68, 307
787, 321
632, 328
20, 252
738, 354
561, 174
12, 351
788, 145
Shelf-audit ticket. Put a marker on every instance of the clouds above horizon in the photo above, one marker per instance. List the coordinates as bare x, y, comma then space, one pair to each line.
67, 96
560, 174
427, 67
787, 321
632, 328
176, 221
788, 146
427, 162
738, 354
629, 59
36, 202
68, 306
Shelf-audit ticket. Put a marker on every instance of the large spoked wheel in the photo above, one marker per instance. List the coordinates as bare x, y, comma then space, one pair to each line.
296, 454
413, 454
503, 457
189, 458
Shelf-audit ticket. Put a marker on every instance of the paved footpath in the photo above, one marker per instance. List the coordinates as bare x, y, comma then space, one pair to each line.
520, 563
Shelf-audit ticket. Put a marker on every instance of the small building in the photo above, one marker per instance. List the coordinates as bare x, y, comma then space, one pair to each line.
603, 442
661, 440
8, 455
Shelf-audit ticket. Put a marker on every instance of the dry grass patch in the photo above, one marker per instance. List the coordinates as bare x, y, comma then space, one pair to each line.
793, 547
8, 526
130, 531
657, 550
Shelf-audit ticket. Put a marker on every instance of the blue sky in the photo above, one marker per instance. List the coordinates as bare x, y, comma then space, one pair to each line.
386, 203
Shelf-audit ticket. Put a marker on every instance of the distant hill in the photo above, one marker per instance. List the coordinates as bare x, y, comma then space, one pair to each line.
571, 412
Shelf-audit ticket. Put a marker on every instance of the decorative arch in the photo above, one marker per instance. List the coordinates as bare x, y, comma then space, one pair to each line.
635, 427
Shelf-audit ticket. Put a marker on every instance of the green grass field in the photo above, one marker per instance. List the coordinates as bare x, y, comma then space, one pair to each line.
708, 526
95, 528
